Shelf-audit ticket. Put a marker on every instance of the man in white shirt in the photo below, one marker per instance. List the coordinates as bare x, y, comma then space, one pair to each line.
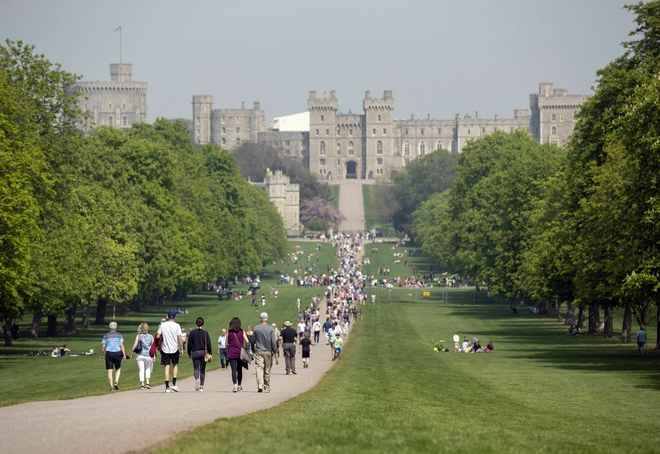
171, 350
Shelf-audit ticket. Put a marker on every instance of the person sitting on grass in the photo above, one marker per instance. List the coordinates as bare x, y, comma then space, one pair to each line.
466, 348
571, 330
476, 346
489, 347
64, 351
55, 353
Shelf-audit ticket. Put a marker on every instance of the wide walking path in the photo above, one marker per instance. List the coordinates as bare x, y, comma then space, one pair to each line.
124, 421
351, 204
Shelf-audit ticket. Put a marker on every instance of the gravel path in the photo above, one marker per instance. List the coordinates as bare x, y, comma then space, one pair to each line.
351, 205
124, 421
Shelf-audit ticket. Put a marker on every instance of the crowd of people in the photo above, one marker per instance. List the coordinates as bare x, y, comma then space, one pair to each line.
238, 347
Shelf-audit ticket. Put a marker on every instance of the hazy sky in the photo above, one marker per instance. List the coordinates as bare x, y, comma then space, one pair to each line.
439, 57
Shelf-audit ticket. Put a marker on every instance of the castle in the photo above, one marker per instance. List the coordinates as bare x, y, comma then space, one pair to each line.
118, 103
374, 144
286, 198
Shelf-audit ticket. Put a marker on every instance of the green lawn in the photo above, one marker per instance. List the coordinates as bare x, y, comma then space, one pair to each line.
27, 379
541, 391
334, 195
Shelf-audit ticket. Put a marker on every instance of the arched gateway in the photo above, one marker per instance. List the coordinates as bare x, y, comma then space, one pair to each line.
351, 169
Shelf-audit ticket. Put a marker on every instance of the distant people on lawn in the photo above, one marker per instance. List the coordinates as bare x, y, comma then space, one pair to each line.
144, 361
236, 338
264, 346
641, 340
489, 347
171, 350
199, 344
113, 347
64, 351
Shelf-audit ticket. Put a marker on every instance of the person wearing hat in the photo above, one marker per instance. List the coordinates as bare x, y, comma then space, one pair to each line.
172, 349
264, 344
288, 336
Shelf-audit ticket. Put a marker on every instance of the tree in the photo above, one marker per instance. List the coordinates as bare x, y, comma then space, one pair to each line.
320, 209
427, 175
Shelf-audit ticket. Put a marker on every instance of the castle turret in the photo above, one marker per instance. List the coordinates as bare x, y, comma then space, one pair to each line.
201, 131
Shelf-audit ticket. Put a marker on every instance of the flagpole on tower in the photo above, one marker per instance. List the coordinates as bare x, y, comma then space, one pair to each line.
119, 29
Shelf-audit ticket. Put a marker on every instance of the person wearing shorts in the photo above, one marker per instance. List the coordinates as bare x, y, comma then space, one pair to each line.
641, 340
338, 343
172, 349
113, 347
306, 350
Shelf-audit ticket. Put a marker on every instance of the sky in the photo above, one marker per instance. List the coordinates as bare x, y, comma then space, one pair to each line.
439, 57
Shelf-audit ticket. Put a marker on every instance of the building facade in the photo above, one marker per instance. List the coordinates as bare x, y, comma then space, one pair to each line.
119, 103
374, 144
286, 198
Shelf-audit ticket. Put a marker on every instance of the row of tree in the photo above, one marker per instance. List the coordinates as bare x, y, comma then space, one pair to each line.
129, 218
576, 227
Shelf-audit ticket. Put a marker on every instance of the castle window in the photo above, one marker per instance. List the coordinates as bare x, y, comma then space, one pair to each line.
327, 132
469, 131
554, 117
222, 120
554, 142
384, 131
322, 162
379, 147
350, 132
322, 118
406, 148
238, 130
379, 161
422, 148
439, 131
554, 130
438, 146
110, 122
238, 141
422, 131
109, 106
338, 162
123, 121
378, 117
454, 146
224, 141
483, 130
561, 118
317, 132
123, 107
224, 131
322, 147
338, 131
373, 131
350, 148
338, 149
407, 160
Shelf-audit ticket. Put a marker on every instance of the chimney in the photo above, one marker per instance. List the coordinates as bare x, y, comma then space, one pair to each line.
257, 105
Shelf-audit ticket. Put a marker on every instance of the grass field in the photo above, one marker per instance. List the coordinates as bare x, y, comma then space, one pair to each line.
32, 378
541, 391
334, 195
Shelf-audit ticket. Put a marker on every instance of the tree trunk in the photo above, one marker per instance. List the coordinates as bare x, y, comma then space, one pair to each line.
85, 316
51, 331
8, 324
100, 311
559, 312
609, 322
657, 342
70, 322
593, 318
581, 317
36, 324
570, 315
627, 325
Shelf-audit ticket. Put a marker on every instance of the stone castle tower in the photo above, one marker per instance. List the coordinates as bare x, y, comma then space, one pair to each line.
286, 198
119, 103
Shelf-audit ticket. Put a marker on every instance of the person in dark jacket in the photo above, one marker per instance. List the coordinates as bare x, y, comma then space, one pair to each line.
199, 344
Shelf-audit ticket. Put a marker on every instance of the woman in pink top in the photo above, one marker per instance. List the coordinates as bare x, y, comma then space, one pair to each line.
236, 338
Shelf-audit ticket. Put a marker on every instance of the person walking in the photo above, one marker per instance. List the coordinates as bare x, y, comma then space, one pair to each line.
288, 336
144, 361
279, 343
172, 349
306, 350
264, 346
222, 349
236, 338
113, 346
317, 331
641, 340
199, 344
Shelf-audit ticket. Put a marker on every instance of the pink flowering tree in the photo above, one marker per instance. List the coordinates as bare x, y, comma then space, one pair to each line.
318, 208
